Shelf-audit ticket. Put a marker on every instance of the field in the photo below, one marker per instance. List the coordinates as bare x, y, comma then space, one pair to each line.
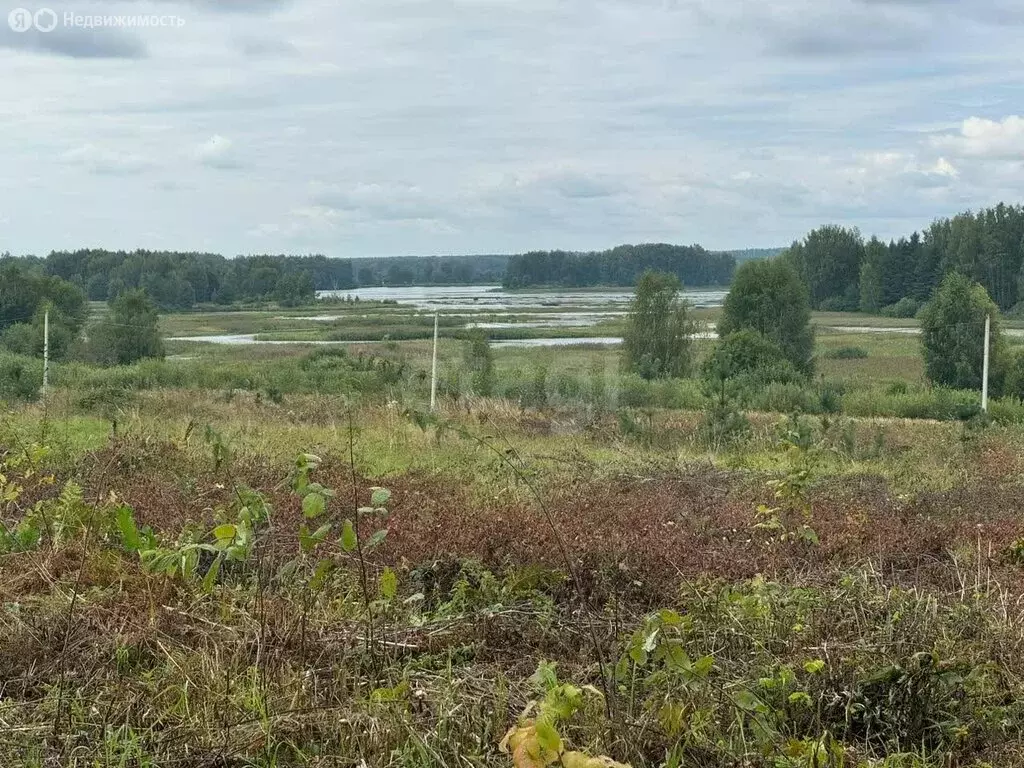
275, 555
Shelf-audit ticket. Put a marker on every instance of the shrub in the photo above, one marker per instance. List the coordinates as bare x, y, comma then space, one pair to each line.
905, 307
20, 378
840, 304
745, 362
479, 360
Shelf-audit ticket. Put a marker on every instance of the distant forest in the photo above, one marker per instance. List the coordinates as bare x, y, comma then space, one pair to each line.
179, 280
619, 266
844, 272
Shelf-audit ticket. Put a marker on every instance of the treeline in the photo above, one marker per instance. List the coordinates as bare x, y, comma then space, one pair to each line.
843, 272
178, 280
620, 266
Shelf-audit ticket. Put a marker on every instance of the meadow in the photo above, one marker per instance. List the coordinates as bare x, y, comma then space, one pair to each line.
276, 555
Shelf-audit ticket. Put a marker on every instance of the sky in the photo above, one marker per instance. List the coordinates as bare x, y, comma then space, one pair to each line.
393, 127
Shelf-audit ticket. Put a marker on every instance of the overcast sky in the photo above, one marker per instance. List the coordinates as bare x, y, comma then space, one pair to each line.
385, 127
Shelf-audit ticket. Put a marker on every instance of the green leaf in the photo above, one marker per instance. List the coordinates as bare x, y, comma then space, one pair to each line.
348, 536
746, 700
211, 575
380, 496
548, 737
376, 539
800, 698
388, 584
225, 534
814, 666
320, 573
313, 505
308, 541
129, 531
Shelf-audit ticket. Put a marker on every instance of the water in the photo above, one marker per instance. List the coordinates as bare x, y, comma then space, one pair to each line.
494, 298
600, 341
243, 339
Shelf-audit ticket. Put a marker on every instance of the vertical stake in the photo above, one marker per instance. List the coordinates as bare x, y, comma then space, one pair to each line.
984, 368
433, 370
46, 352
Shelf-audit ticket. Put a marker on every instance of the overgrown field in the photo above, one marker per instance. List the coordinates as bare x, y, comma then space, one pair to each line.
203, 576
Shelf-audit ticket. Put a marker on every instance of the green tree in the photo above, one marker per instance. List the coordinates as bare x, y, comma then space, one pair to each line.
769, 297
829, 260
130, 332
480, 362
659, 332
747, 357
953, 333
872, 289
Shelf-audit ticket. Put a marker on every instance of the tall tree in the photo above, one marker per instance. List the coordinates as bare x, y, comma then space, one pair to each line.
872, 289
769, 297
658, 342
953, 333
829, 261
130, 331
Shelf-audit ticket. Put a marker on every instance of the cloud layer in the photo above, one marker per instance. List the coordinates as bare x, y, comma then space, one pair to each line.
376, 127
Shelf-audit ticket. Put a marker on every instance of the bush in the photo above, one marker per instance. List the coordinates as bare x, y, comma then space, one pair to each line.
952, 334
905, 307
845, 353
780, 397
840, 304
723, 425
768, 297
744, 363
1014, 384
1006, 410
939, 403
658, 339
20, 378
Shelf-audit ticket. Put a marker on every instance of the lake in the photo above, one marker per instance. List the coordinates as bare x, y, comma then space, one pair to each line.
494, 298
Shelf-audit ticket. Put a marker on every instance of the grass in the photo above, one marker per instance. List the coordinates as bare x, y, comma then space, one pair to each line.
895, 640
571, 558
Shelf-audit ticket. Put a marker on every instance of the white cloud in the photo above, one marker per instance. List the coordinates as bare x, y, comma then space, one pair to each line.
419, 126
980, 137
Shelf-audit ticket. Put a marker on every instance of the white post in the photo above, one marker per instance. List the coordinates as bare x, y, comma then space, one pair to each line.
46, 351
433, 370
984, 367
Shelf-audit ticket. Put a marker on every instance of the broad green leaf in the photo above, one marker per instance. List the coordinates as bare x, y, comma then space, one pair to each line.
348, 536
388, 584
313, 505
225, 534
380, 496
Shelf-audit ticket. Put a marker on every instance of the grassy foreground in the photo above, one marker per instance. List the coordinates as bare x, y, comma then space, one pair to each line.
830, 592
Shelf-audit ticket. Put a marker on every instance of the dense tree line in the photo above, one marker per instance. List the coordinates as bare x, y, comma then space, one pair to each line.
178, 280
844, 272
622, 265
26, 293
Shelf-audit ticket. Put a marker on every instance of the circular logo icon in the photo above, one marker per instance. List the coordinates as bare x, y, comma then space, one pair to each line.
45, 20
20, 20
